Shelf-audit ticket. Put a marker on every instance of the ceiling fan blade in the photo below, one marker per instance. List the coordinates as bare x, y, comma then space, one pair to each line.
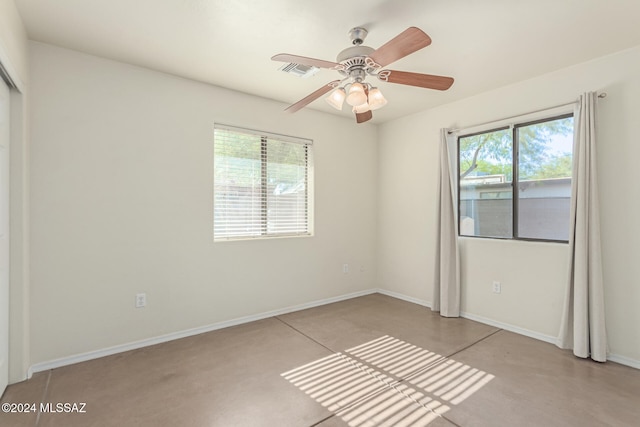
303, 60
410, 40
312, 97
363, 117
427, 81
367, 115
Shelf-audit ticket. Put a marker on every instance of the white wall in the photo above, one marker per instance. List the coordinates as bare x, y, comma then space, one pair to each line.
121, 203
532, 274
121, 174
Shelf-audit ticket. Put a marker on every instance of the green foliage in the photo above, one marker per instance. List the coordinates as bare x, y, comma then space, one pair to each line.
492, 153
236, 144
486, 154
239, 158
536, 160
557, 167
488, 168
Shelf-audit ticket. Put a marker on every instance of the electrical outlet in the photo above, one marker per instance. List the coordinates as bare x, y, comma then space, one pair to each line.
497, 288
345, 268
141, 300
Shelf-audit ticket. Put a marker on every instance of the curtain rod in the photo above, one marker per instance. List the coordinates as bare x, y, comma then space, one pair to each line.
600, 95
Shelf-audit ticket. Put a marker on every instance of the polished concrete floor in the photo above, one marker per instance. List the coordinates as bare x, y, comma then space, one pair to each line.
368, 361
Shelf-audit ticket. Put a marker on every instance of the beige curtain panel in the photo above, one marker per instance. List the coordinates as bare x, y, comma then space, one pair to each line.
583, 320
446, 286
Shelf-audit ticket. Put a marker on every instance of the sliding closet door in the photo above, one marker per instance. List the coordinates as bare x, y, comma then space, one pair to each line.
4, 235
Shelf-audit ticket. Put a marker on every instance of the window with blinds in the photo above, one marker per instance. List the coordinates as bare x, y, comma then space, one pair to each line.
262, 184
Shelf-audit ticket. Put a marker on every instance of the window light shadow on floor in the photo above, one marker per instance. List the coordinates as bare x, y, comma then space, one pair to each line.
388, 382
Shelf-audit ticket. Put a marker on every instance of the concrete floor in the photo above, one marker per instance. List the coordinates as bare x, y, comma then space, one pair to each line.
368, 361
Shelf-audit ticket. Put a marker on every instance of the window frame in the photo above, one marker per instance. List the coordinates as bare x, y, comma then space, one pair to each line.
308, 188
515, 199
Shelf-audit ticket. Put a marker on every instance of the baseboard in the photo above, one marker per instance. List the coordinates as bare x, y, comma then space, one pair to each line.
485, 320
83, 357
511, 328
627, 361
404, 297
546, 338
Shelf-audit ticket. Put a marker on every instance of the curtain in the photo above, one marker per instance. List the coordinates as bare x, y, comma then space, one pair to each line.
446, 286
583, 324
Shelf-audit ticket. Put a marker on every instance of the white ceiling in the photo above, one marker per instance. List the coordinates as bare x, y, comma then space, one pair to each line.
483, 44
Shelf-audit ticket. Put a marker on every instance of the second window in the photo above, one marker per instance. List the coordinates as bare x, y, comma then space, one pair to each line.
515, 182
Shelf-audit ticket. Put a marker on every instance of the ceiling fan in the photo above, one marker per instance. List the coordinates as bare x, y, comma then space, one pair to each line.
357, 62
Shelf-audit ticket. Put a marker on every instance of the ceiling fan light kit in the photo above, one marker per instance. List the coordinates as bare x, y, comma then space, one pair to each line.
356, 95
376, 100
358, 62
361, 97
336, 98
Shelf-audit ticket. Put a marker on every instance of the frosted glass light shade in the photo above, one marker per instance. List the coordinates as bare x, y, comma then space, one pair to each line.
356, 95
361, 108
376, 100
336, 98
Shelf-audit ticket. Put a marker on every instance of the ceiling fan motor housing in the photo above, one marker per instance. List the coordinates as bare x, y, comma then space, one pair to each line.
355, 58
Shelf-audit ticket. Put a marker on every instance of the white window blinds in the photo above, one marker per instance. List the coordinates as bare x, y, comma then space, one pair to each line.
262, 184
